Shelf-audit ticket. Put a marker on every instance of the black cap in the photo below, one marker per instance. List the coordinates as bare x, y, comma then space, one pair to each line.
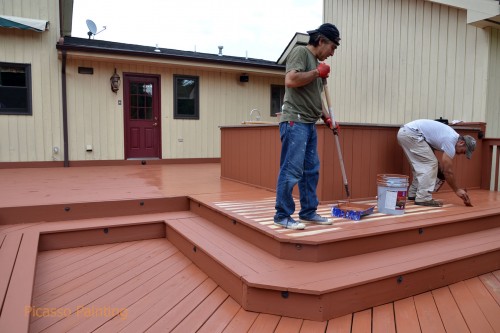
329, 31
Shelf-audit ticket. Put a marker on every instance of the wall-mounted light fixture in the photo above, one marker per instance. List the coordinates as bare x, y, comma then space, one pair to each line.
115, 82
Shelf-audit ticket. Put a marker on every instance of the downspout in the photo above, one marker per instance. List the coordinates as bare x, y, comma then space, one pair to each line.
63, 87
61, 23
64, 110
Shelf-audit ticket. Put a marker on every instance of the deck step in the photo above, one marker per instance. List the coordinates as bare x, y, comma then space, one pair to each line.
262, 282
253, 221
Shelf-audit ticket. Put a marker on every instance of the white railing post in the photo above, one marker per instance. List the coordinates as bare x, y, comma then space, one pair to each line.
494, 169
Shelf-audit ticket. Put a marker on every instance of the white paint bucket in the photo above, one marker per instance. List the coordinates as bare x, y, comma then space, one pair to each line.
392, 192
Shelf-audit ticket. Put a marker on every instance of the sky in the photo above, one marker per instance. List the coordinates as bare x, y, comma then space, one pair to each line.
259, 29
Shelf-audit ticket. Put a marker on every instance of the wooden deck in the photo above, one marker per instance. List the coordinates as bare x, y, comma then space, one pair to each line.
176, 248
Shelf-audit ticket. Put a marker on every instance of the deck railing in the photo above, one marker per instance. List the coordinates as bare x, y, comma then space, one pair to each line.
491, 164
250, 154
494, 166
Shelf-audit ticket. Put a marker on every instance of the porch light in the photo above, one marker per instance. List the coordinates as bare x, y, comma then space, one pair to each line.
115, 82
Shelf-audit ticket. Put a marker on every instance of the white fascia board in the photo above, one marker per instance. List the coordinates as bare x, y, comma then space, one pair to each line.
477, 10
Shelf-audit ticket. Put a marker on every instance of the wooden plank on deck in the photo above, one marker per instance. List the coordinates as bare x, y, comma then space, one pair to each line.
340, 325
428, 314
362, 321
181, 310
8, 255
124, 295
485, 301
309, 326
474, 317
64, 281
289, 325
169, 302
264, 323
406, 316
163, 297
202, 312
241, 322
492, 284
18, 297
45, 273
451, 316
221, 317
383, 319
131, 272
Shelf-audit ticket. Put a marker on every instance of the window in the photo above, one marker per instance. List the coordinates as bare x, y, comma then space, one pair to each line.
141, 101
277, 96
186, 97
15, 89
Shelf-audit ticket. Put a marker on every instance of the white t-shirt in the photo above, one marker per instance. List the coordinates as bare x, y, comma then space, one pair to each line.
438, 135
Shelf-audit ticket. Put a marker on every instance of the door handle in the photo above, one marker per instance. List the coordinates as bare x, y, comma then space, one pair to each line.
155, 124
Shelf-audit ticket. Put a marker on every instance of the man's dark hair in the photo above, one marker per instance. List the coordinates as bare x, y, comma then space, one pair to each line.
315, 38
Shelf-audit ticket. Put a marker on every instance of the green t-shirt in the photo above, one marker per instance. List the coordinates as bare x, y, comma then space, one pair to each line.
302, 104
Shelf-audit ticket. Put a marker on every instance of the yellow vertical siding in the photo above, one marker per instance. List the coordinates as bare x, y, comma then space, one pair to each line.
96, 118
223, 101
32, 138
493, 94
405, 59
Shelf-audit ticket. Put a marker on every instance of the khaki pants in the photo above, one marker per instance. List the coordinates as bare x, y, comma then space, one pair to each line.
423, 163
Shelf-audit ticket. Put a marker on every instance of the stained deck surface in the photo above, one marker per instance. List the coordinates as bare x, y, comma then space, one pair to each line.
149, 286
162, 290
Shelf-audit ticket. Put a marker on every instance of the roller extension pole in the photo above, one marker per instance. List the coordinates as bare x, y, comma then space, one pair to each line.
336, 135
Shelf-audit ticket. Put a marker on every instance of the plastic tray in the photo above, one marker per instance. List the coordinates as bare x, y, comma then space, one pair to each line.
352, 211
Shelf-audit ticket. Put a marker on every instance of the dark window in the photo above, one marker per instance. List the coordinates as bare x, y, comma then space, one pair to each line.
277, 96
186, 97
15, 89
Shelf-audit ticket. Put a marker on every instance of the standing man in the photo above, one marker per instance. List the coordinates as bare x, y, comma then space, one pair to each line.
302, 108
419, 139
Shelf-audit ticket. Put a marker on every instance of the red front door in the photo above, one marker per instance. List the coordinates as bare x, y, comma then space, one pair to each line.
142, 116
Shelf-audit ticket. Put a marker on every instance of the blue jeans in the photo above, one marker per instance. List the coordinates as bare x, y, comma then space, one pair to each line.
299, 163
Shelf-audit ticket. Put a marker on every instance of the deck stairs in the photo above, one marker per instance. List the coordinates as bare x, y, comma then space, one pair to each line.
285, 273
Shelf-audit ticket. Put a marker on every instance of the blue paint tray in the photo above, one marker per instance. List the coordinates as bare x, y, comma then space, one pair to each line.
352, 211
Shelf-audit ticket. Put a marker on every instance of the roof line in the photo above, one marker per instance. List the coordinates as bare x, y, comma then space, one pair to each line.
128, 49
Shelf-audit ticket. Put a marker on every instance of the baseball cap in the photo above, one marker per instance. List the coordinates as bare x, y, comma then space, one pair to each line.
470, 143
329, 31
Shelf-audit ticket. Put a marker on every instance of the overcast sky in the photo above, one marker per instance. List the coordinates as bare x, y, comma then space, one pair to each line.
257, 28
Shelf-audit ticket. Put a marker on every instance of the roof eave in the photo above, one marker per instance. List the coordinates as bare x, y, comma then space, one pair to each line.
142, 54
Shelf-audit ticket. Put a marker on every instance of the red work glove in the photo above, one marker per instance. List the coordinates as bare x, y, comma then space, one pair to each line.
323, 70
336, 129
328, 122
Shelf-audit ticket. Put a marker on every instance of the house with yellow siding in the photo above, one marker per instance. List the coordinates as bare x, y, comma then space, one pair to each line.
168, 104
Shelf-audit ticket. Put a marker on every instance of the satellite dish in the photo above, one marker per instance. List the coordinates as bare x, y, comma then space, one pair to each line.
93, 28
